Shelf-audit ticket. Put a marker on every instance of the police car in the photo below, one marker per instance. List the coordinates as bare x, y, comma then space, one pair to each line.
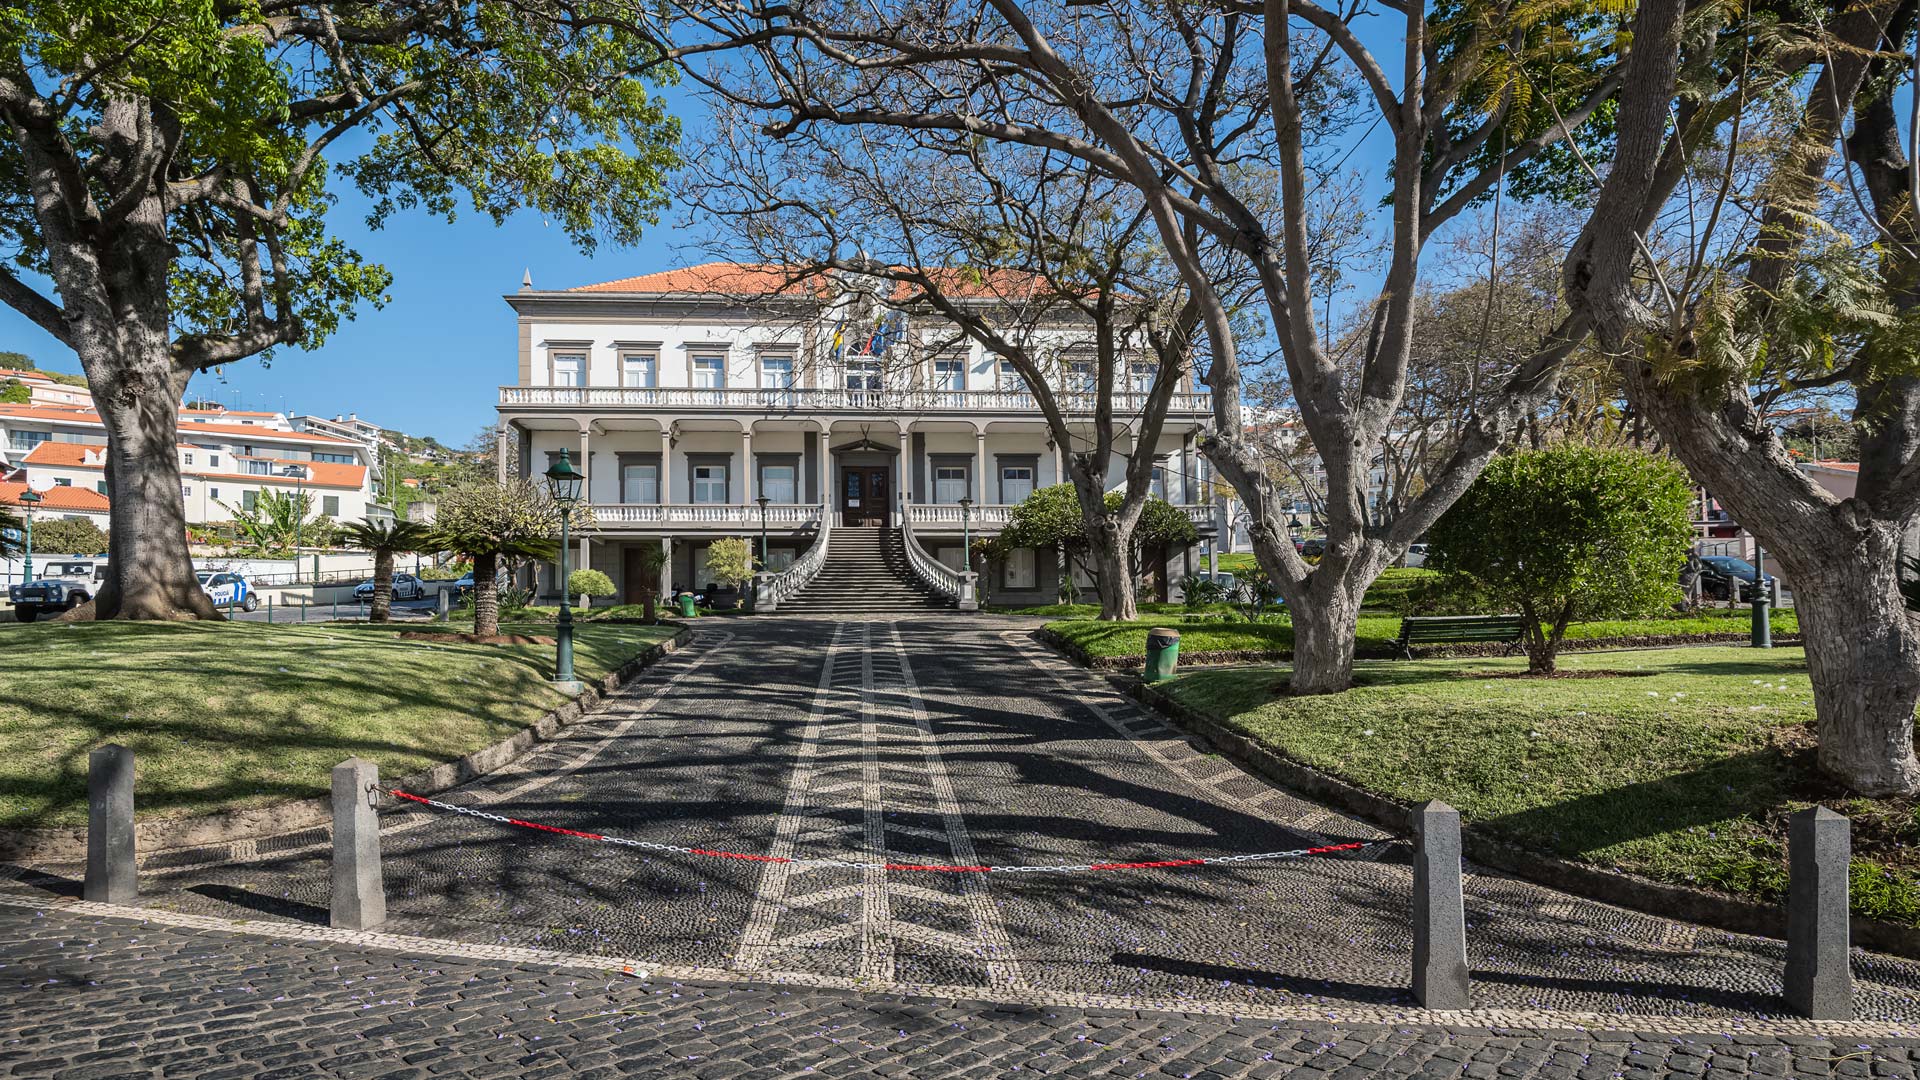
66, 585
228, 589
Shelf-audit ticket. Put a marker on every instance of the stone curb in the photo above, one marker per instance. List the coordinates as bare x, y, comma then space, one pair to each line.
1273, 656
1607, 886
214, 837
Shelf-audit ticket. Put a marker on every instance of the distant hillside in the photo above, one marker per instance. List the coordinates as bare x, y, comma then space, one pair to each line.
20, 361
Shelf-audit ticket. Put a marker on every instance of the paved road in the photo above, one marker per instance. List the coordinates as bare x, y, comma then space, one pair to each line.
955, 740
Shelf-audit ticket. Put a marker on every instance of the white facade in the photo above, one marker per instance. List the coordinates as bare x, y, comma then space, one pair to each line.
688, 403
226, 460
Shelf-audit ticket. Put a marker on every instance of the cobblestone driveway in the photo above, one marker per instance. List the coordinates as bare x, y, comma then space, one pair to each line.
957, 740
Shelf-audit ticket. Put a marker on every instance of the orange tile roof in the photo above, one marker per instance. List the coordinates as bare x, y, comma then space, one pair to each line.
88, 416
59, 497
320, 474
766, 279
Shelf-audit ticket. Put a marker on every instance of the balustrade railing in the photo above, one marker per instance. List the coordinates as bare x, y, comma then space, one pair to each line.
773, 589
799, 399
718, 515
950, 584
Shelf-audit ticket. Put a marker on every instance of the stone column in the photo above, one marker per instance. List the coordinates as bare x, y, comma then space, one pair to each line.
1439, 909
906, 466
500, 440
359, 890
1060, 463
111, 875
980, 467
584, 460
1819, 982
749, 481
826, 469
666, 465
1189, 477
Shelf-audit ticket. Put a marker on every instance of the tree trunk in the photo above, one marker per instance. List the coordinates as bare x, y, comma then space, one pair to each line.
1324, 633
486, 595
1863, 653
150, 575
1109, 552
382, 587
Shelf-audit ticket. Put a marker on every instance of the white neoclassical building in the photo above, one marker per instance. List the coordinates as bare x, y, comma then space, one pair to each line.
692, 395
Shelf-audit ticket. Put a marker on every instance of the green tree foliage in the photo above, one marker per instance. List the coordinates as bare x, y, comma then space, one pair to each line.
489, 521
279, 522
731, 561
167, 163
15, 392
1051, 515
385, 539
68, 536
1569, 533
589, 583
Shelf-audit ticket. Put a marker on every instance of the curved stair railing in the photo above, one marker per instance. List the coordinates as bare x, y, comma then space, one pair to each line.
952, 585
770, 589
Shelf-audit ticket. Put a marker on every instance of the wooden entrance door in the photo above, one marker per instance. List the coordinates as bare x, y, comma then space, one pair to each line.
863, 496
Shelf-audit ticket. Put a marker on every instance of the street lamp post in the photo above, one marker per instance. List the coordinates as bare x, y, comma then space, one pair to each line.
1762, 624
28, 499
563, 483
966, 534
763, 501
299, 474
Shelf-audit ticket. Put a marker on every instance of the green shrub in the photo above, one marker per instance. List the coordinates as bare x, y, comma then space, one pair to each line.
589, 583
68, 536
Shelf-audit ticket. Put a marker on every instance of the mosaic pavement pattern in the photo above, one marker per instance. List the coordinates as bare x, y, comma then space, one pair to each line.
944, 739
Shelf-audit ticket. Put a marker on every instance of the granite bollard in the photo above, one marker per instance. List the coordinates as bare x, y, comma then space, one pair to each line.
111, 875
359, 889
1439, 909
1819, 982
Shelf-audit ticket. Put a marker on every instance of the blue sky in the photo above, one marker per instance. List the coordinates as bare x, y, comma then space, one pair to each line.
429, 362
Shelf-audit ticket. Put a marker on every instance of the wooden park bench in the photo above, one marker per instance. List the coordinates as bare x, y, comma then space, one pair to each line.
1457, 629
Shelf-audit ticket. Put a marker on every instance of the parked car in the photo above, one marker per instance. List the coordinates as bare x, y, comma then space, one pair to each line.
228, 589
405, 587
1416, 555
66, 585
463, 585
1720, 573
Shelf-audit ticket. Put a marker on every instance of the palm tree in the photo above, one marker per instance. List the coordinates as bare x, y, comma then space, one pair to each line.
385, 539
488, 521
653, 559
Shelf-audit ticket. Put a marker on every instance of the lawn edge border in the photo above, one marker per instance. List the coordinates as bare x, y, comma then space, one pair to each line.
1225, 657
211, 838
1618, 888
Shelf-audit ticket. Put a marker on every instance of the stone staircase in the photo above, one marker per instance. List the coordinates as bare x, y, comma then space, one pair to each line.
865, 573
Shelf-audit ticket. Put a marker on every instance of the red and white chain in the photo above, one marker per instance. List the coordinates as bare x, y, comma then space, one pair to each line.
936, 868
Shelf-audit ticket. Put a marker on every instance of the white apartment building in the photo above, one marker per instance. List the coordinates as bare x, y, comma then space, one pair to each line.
227, 459
42, 390
690, 395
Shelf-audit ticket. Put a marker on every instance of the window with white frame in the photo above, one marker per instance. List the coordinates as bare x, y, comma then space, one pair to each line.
330, 505
569, 369
1140, 377
950, 483
260, 468
709, 483
1018, 569
213, 461
863, 373
25, 440
776, 372
639, 370
640, 483
62, 482
779, 483
1009, 379
709, 372
1160, 478
949, 374
1080, 377
1016, 483
186, 458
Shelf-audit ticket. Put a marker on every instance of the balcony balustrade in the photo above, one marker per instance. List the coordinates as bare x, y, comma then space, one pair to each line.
937, 517
762, 399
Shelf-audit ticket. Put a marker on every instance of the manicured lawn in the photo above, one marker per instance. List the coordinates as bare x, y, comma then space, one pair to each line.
231, 715
1683, 770
1376, 632
1391, 591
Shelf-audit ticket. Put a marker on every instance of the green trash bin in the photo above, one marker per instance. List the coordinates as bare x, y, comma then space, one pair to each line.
1163, 652
686, 605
